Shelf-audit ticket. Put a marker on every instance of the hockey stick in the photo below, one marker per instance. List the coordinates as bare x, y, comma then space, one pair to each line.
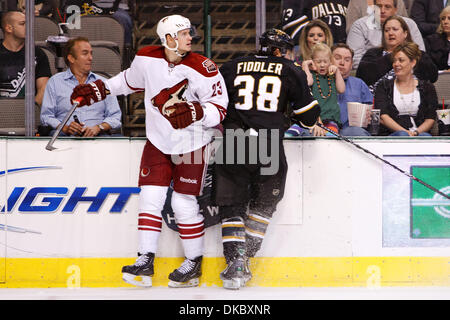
385, 161
49, 145
78, 100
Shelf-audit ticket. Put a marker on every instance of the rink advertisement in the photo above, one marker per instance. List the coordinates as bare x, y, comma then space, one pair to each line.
430, 212
70, 216
414, 215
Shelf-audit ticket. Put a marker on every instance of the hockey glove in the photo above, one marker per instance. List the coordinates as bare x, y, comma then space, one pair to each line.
307, 116
182, 114
90, 92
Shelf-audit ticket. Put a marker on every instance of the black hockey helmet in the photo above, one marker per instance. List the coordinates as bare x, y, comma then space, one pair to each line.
275, 38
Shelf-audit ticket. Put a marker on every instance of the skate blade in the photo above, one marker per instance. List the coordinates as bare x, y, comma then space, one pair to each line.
233, 284
245, 280
146, 281
187, 284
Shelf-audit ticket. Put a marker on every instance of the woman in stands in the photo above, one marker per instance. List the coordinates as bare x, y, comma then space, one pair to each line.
314, 32
376, 64
408, 105
438, 44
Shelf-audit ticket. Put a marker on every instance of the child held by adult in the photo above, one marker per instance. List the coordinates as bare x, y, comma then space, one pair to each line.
326, 82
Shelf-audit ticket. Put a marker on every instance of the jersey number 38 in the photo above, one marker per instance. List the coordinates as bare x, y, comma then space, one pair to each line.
267, 89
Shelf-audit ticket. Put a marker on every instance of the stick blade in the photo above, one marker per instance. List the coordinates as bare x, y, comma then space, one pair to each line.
50, 147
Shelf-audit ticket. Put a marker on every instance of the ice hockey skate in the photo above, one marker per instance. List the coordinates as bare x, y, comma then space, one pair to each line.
247, 272
143, 267
187, 275
236, 274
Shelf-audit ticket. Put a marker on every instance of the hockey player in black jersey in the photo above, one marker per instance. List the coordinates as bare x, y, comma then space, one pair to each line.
260, 88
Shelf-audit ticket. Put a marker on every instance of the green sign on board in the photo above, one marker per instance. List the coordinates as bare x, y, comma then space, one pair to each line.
430, 211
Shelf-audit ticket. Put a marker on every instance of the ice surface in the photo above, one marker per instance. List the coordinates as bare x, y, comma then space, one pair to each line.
216, 293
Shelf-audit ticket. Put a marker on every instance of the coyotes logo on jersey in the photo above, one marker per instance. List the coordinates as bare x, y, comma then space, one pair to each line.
169, 96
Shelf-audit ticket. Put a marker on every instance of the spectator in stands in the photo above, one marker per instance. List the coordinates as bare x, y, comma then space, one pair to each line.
426, 14
46, 8
314, 32
408, 6
11, 5
297, 13
438, 44
12, 60
100, 119
366, 32
360, 8
377, 62
326, 82
119, 10
408, 105
355, 89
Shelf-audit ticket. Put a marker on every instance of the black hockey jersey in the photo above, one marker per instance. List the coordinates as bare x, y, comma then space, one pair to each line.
260, 88
297, 13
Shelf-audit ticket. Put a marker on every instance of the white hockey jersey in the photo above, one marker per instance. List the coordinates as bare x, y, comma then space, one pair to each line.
151, 72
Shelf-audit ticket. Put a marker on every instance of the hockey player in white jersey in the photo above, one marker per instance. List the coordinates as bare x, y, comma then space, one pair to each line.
185, 97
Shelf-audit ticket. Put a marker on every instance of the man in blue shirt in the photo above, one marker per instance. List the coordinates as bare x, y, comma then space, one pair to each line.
100, 119
355, 89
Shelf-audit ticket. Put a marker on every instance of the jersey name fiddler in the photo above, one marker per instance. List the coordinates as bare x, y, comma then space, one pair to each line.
259, 66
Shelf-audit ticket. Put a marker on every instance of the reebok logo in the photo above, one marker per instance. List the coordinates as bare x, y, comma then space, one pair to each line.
186, 180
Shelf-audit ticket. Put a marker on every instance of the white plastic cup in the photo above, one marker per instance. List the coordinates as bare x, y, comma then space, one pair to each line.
374, 125
443, 119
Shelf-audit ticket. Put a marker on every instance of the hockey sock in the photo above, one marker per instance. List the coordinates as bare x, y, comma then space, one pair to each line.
191, 236
149, 229
255, 230
233, 238
151, 202
190, 224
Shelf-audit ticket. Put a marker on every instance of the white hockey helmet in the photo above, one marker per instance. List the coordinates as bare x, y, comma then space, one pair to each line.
170, 25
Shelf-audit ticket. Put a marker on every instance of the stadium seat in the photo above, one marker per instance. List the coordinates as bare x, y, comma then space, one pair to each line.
101, 31
106, 60
44, 27
51, 55
442, 86
103, 74
12, 116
